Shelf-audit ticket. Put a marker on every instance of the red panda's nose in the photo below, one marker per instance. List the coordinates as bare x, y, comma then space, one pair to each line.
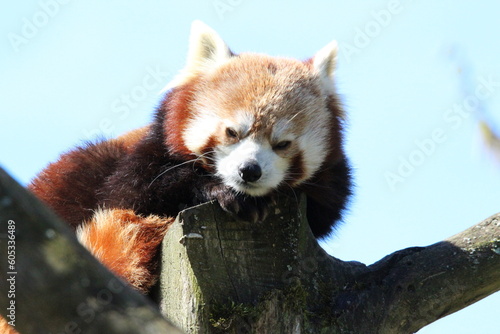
250, 172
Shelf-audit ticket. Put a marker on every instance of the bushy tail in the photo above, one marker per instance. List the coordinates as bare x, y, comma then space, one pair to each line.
5, 328
126, 243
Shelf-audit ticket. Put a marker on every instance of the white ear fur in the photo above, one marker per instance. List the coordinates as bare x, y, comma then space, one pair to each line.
206, 51
325, 61
206, 48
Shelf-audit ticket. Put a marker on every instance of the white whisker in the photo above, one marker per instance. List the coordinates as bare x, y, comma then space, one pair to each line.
169, 169
204, 155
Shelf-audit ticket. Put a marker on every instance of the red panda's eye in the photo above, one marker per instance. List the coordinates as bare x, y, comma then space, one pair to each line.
231, 133
282, 145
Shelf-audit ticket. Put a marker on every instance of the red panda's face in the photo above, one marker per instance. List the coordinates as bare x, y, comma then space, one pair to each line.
256, 121
261, 122
251, 165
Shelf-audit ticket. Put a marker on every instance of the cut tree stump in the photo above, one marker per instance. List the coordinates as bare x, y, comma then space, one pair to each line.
220, 275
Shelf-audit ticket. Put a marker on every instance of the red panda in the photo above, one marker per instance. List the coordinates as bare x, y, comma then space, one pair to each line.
240, 129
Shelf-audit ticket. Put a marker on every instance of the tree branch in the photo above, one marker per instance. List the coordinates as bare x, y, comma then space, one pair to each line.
422, 285
56, 285
275, 278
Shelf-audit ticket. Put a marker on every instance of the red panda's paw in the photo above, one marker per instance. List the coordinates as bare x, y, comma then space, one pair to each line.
126, 243
247, 208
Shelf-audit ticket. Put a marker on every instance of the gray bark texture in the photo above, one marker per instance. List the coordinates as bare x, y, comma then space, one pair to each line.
219, 275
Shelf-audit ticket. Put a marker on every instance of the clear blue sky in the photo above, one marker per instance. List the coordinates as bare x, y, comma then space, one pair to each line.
415, 77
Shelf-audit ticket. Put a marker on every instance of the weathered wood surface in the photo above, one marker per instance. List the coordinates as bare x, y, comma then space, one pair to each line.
221, 275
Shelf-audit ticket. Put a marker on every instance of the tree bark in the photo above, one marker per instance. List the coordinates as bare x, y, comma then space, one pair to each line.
223, 275
55, 285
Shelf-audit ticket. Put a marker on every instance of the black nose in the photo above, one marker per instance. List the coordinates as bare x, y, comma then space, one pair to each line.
250, 172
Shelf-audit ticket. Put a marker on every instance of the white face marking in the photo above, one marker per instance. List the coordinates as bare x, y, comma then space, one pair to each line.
199, 130
312, 141
229, 160
242, 123
313, 144
206, 122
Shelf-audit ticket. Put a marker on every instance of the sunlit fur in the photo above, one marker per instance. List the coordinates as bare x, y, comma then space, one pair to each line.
5, 328
222, 112
266, 100
126, 243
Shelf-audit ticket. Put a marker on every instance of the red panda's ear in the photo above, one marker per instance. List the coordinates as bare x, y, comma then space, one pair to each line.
206, 52
206, 48
325, 61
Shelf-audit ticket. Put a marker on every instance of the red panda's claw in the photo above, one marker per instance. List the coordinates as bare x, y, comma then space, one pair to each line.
250, 209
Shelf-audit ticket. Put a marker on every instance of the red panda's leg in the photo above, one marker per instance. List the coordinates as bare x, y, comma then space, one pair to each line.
126, 243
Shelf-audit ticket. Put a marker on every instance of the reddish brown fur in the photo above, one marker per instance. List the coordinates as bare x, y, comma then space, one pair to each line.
5, 328
336, 152
207, 152
126, 243
251, 83
85, 168
131, 138
179, 107
296, 169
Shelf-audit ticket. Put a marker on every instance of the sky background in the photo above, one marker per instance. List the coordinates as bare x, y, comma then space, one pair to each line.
72, 70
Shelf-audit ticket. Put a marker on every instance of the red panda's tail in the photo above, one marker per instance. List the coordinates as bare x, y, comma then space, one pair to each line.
5, 328
125, 243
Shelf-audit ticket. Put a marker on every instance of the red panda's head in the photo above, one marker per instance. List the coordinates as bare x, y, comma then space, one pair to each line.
257, 121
